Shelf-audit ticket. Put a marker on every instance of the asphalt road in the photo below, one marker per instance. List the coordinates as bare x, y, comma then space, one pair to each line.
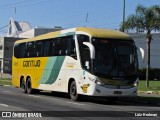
57, 106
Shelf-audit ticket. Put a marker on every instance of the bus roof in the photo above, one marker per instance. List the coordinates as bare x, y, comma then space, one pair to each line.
104, 33
95, 32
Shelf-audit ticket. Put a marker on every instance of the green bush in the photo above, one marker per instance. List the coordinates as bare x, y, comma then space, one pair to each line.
154, 74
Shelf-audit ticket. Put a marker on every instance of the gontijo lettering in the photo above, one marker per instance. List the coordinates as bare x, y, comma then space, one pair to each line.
31, 63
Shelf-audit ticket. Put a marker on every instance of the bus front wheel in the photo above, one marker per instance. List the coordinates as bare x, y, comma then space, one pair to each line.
73, 91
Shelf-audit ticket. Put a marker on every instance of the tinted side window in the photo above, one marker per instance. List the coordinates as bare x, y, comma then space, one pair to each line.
58, 46
17, 50
38, 51
61, 46
71, 49
84, 50
30, 49
20, 50
47, 47
51, 47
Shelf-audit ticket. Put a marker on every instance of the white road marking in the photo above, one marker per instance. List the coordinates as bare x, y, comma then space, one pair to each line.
7, 91
5, 105
33, 96
74, 103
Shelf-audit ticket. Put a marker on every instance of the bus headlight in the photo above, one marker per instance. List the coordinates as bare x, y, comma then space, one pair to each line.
136, 83
99, 82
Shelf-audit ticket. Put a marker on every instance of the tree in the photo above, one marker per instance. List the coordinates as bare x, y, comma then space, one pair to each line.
145, 19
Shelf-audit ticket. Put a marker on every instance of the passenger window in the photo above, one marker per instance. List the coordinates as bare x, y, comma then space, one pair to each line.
51, 47
30, 49
84, 51
19, 50
71, 49
38, 51
22, 50
16, 50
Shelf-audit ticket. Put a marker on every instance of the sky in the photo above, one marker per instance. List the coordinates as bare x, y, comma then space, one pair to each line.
68, 13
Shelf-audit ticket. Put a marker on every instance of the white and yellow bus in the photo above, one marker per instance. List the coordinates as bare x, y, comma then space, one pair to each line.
78, 61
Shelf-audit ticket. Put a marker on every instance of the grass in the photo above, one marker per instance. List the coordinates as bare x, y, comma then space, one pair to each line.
153, 86
5, 82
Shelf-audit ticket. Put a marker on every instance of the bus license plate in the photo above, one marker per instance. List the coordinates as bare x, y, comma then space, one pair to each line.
118, 92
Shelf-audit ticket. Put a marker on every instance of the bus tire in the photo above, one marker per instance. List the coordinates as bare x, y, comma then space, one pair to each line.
29, 86
73, 91
23, 86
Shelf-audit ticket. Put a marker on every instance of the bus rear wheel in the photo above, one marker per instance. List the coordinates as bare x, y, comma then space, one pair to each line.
73, 91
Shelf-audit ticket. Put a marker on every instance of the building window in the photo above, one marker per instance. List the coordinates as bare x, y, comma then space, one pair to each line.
1, 47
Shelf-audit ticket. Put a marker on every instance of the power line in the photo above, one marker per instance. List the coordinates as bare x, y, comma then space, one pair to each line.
15, 3
35, 3
3, 31
3, 27
23, 3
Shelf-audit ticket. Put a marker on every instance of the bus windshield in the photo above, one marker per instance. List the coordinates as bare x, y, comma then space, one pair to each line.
115, 58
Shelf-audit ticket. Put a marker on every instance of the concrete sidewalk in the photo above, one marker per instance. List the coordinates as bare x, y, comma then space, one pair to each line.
149, 95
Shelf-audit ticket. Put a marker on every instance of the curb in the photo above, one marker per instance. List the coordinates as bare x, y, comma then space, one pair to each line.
6, 85
150, 92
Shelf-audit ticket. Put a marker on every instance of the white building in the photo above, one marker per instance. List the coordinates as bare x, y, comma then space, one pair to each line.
6, 49
17, 30
24, 30
37, 31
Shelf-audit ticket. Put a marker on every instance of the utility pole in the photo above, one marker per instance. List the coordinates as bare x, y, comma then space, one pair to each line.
149, 38
124, 6
15, 10
86, 18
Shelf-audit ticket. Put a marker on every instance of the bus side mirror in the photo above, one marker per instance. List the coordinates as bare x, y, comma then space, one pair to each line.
91, 48
142, 53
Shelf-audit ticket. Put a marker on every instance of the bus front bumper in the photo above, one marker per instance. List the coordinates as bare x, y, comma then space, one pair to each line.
104, 91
